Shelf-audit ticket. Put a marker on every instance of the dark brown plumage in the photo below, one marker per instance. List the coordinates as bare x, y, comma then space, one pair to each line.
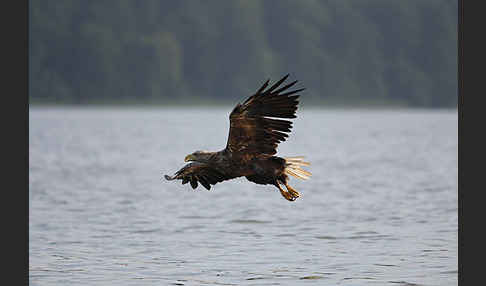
256, 129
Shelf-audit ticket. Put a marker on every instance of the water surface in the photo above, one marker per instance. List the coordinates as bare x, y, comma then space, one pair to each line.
380, 208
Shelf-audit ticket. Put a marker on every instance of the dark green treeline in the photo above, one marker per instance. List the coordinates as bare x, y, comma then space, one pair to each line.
344, 52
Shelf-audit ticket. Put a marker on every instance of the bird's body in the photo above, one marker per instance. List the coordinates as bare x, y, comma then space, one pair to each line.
255, 131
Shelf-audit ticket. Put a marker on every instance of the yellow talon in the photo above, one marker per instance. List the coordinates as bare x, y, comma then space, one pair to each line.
292, 191
287, 195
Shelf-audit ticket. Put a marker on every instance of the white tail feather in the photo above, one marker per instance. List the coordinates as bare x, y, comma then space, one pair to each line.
293, 167
300, 171
299, 163
297, 158
297, 175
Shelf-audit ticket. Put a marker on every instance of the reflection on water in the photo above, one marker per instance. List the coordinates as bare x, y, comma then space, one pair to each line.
380, 208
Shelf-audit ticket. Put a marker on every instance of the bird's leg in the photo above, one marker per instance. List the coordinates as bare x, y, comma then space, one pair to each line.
285, 194
292, 191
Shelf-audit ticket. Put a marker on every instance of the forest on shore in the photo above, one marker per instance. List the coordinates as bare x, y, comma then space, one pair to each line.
376, 52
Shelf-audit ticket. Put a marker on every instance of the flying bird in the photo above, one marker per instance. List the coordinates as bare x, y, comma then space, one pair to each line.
256, 128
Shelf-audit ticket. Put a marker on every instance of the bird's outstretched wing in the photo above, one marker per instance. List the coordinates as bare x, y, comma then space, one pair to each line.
252, 132
198, 172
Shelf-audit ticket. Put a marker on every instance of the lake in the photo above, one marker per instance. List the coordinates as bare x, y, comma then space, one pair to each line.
381, 207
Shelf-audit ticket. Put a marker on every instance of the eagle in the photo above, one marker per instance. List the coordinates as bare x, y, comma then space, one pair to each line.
256, 129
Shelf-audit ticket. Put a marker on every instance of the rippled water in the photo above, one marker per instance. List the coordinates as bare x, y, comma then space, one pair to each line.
380, 209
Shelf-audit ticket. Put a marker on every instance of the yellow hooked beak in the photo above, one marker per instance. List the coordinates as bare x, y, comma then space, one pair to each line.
189, 158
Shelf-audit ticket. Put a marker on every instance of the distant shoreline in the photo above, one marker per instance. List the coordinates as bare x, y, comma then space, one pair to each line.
230, 107
197, 102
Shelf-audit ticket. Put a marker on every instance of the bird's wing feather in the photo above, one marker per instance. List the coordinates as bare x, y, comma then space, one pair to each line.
199, 172
252, 132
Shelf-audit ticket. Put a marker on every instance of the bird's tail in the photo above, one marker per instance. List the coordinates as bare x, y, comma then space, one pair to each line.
293, 167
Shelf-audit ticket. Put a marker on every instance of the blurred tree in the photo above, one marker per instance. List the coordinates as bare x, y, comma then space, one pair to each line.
345, 51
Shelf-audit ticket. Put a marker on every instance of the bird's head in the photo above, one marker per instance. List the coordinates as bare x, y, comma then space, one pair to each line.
198, 156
